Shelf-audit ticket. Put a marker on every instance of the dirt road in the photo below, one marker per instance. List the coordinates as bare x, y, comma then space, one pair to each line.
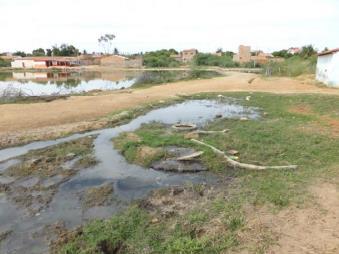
26, 119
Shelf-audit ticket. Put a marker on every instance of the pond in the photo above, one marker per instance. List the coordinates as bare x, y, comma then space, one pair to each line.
16, 84
27, 234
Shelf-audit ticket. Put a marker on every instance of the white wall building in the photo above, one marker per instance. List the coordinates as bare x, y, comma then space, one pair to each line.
27, 63
328, 67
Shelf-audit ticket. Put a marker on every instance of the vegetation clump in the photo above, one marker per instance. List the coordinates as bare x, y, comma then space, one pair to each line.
149, 78
161, 58
199, 219
291, 67
206, 59
4, 63
298, 64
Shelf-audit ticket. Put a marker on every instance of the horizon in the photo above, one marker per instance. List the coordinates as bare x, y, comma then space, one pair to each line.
142, 26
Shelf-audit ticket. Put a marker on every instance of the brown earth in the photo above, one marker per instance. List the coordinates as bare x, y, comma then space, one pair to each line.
24, 121
321, 124
313, 229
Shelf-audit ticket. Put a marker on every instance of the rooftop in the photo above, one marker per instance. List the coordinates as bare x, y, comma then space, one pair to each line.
329, 52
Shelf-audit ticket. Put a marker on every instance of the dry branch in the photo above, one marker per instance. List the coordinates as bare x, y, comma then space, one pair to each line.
190, 156
210, 132
239, 164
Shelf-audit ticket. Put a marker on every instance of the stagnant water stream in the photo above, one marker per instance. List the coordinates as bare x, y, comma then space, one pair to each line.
131, 182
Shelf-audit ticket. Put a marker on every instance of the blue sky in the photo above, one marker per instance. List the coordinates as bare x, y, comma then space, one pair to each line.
143, 25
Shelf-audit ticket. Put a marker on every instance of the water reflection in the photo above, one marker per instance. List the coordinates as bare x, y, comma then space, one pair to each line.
52, 83
15, 84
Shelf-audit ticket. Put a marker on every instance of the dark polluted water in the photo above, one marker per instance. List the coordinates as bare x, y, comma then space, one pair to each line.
130, 182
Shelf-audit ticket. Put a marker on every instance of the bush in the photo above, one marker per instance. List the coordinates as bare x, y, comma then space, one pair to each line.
291, 67
4, 63
160, 58
202, 59
251, 64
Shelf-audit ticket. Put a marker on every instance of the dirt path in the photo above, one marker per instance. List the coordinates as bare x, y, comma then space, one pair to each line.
21, 119
309, 230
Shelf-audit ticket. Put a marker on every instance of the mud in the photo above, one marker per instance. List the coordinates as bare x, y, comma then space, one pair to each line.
98, 196
48, 183
35, 177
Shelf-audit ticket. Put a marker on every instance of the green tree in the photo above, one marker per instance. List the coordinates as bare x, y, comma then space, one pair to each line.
38, 52
19, 53
307, 51
65, 50
161, 58
282, 53
48, 52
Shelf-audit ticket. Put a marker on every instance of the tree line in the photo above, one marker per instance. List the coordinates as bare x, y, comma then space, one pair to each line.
63, 50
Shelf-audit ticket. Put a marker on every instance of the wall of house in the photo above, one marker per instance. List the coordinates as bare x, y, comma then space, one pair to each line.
22, 64
244, 54
187, 56
113, 61
121, 62
40, 64
328, 69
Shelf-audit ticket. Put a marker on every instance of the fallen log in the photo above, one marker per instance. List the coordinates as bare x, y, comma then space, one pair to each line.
237, 164
210, 132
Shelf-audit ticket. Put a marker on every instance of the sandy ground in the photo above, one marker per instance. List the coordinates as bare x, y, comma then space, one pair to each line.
309, 230
22, 120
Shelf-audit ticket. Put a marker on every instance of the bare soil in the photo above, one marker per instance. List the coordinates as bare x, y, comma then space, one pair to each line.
25, 122
325, 124
312, 229
309, 229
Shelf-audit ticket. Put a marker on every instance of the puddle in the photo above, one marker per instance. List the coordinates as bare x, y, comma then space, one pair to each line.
130, 182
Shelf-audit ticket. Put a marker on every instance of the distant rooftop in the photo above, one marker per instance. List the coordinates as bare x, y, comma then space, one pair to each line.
329, 52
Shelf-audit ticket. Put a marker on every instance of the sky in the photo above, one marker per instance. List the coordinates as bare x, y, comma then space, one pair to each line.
145, 25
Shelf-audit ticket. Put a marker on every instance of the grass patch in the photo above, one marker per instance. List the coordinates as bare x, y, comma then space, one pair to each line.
291, 67
46, 162
213, 225
276, 139
133, 231
150, 78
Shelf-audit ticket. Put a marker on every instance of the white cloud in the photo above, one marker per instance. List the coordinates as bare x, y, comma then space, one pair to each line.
142, 25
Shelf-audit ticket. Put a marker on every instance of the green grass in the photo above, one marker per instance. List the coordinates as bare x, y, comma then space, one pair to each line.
133, 232
292, 67
150, 78
277, 138
49, 160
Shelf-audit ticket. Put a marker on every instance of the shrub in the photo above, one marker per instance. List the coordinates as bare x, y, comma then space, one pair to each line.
291, 67
160, 58
203, 59
4, 63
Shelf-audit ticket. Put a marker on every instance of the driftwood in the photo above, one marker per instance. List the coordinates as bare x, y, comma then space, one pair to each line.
189, 157
236, 164
210, 132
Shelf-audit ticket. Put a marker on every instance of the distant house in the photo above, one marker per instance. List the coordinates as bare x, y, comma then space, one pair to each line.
245, 55
328, 67
188, 55
293, 51
185, 56
44, 62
